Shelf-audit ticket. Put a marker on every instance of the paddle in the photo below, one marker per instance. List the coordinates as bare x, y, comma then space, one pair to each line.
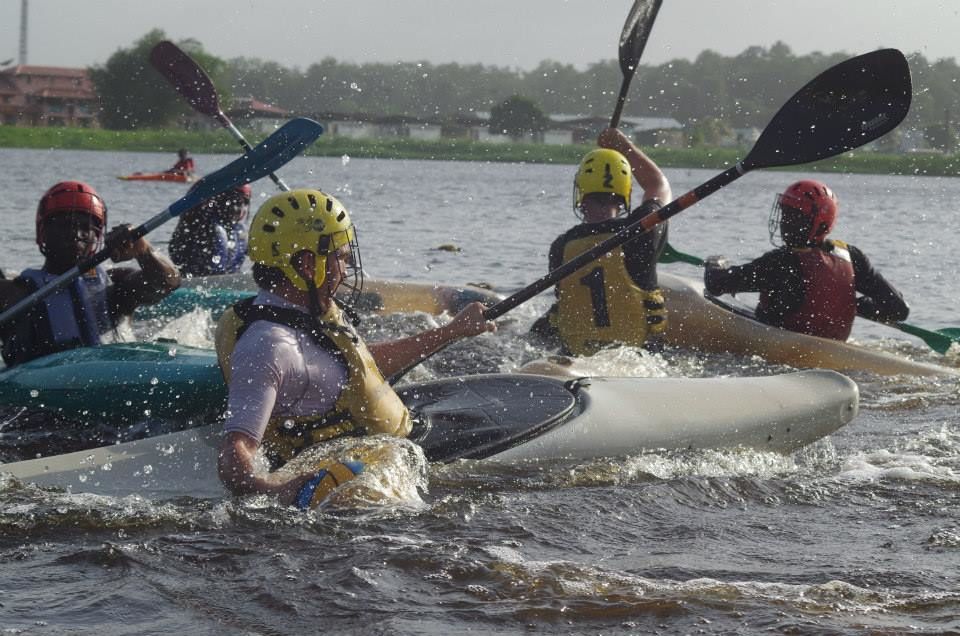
845, 107
193, 83
671, 255
272, 153
940, 340
633, 38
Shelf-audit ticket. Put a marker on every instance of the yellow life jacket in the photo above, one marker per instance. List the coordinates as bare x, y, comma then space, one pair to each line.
366, 406
601, 305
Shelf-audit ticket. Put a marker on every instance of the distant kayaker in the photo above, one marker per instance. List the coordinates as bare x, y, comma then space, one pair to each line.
70, 224
615, 299
809, 284
212, 238
298, 373
184, 163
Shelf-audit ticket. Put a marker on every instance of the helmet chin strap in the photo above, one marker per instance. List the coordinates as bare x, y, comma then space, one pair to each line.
313, 299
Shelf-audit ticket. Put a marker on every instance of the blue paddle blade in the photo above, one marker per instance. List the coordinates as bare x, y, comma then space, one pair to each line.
273, 152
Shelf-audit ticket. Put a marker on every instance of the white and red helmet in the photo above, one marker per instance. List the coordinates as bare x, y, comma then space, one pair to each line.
811, 199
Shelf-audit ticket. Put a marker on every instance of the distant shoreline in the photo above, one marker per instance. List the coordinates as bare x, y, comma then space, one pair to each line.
217, 141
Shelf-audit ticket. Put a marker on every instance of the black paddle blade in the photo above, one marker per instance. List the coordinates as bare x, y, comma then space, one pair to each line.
635, 32
843, 108
186, 77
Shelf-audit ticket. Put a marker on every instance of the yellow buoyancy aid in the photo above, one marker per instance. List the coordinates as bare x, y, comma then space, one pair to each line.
366, 406
601, 305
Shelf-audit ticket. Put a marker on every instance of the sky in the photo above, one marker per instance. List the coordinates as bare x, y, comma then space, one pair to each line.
507, 33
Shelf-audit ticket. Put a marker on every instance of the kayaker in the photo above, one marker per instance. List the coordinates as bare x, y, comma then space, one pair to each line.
809, 284
615, 299
184, 164
212, 238
70, 222
298, 373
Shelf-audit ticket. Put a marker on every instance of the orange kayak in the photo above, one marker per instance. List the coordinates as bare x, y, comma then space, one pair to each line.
173, 177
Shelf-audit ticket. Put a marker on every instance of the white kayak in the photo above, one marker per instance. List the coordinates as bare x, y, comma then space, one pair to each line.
696, 322
510, 417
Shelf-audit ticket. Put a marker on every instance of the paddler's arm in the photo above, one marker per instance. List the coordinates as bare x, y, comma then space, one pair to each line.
11, 292
880, 300
236, 468
654, 183
395, 355
156, 277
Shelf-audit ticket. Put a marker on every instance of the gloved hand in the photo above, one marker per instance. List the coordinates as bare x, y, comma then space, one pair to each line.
716, 262
325, 481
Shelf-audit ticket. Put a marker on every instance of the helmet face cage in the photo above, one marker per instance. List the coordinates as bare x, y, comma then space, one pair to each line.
66, 197
352, 283
773, 222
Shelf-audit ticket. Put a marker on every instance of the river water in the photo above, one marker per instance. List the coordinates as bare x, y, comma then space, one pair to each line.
856, 534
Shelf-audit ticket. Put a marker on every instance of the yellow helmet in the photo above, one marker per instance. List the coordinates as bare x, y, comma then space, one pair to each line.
296, 221
603, 170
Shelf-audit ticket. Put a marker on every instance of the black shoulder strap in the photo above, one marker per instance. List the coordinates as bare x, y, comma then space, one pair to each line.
249, 312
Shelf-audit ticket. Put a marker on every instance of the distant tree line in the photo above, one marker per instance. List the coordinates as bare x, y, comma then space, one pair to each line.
740, 91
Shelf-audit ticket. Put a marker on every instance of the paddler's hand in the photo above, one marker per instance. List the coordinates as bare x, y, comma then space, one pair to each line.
122, 248
614, 139
470, 322
716, 262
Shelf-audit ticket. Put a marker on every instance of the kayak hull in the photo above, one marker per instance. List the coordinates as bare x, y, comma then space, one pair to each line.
786, 412
695, 322
498, 417
170, 177
121, 384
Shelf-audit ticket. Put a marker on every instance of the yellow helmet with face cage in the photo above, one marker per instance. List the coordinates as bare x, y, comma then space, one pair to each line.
292, 222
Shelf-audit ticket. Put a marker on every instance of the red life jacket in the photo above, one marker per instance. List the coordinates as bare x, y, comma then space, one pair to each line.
829, 297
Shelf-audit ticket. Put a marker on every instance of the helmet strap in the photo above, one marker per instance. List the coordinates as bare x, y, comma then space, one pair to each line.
313, 300
352, 315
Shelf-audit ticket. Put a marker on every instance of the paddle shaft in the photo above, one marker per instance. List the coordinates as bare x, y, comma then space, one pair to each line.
621, 100
630, 232
226, 123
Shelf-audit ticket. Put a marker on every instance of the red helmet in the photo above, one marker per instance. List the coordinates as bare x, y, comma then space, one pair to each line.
69, 196
815, 201
246, 190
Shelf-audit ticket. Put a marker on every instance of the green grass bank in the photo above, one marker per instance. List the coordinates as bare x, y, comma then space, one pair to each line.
219, 141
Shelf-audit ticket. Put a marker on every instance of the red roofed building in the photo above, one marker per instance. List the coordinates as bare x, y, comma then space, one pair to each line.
47, 96
257, 115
